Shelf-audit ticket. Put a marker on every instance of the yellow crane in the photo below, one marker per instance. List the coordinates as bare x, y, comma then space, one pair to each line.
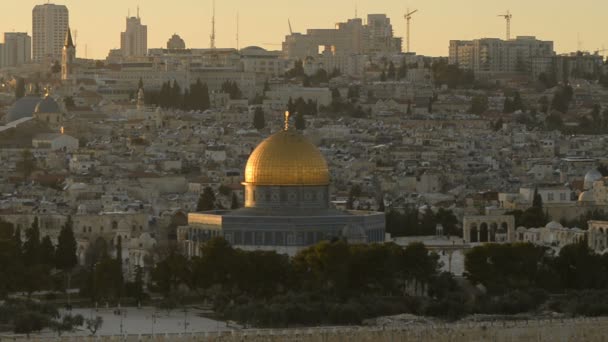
507, 17
408, 17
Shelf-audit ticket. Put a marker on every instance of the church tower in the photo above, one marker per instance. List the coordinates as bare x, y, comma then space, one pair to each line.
68, 57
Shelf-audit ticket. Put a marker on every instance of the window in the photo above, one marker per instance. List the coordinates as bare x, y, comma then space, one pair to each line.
562, 196
550, 196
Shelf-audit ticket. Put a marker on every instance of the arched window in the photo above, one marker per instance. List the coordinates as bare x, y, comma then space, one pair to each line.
473, 233
483, 232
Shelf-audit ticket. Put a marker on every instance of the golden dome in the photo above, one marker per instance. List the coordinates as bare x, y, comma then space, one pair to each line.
286, 158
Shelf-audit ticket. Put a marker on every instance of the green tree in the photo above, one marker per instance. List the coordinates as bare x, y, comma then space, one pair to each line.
479, 104
259, 122
169, 273
206, 200
300, 121
354, 193
577, 267
65, 254
234, 204
31, 247
19, 88
47, 251
27, 164
391, 71
94, 324
402, 70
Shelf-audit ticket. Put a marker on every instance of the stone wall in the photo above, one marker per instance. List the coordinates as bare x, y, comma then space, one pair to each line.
566, 330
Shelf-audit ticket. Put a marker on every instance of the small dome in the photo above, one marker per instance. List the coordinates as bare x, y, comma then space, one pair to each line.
47, 105
586, 196
23, 108
287, 158
554, 225
591, 177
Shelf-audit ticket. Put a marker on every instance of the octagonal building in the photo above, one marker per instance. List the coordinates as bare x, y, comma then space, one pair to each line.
287, 204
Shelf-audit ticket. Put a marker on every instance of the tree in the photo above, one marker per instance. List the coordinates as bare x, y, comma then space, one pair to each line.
232, 89
300, 121
537, 200
140, 84
259, 122
56, 67
517, 102
355, 192
31, 247
391, 71
94, 324
47, 251
402, 70
27, 164
169, 273
65, 255
554, 121
29, 321
20, 88
234, 204
479, 104
67, 323
206, 200
69, 102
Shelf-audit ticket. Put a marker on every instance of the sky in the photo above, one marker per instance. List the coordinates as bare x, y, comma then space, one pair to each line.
579, 25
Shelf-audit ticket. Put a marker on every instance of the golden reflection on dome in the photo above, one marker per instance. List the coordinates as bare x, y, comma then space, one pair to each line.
286, 158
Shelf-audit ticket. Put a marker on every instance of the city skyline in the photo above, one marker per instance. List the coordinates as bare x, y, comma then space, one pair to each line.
429, 36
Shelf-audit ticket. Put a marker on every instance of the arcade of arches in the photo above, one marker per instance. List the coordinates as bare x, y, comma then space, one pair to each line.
479, 229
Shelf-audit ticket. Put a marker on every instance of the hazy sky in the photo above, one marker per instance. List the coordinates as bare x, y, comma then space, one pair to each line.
264, 22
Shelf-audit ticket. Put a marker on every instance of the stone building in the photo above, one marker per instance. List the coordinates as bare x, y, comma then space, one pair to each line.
287, 204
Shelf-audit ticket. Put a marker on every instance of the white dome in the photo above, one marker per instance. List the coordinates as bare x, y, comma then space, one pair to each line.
586, 196
591, 177
554, 225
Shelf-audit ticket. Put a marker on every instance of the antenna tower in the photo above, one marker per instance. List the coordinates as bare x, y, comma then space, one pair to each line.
212, 44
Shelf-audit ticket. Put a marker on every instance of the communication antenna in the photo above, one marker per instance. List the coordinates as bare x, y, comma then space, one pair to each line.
289, 23
76, 37
212, 43
137, 11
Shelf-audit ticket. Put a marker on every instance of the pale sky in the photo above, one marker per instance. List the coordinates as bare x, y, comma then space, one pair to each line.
264, 22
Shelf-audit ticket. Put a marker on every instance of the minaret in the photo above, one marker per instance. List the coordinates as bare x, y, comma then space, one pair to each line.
68, 57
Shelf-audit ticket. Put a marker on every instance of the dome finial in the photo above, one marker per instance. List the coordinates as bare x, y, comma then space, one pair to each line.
287, 120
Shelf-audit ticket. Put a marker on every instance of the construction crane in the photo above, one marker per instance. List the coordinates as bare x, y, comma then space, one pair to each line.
290, 30
507, 17
408, 17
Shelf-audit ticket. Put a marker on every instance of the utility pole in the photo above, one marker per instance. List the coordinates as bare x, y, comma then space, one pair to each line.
408, 17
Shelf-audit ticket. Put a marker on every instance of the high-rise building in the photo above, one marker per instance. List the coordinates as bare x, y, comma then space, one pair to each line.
68, 57
49, 25
134, 41
351, 37
16, 50
497, 55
